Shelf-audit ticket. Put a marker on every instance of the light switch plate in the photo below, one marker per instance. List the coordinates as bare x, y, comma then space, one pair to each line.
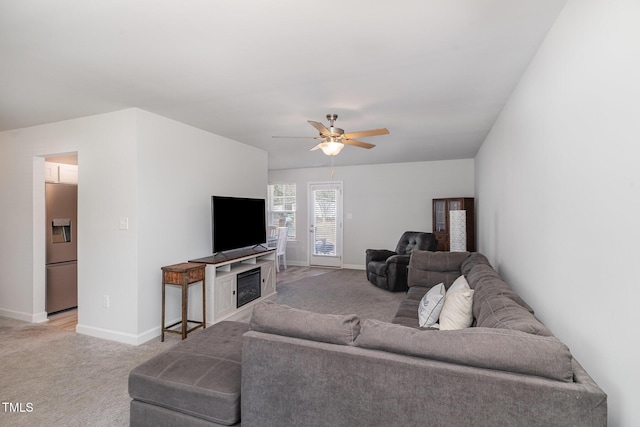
124, 223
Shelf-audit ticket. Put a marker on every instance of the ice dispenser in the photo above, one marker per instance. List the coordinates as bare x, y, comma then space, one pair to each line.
60, 230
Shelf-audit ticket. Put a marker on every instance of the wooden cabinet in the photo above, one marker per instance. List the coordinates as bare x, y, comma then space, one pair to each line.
222, 281
268, 275
224, 295
441, 208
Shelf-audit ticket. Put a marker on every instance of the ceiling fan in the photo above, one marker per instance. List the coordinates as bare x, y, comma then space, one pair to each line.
334, 139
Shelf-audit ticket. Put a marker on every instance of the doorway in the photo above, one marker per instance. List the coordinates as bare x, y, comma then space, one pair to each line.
325, 228
61, 237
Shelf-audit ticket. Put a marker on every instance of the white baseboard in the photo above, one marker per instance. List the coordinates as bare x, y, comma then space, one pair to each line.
24, 316
41, 317
123, 337
109, 334
297, 263
306, 264
149, 335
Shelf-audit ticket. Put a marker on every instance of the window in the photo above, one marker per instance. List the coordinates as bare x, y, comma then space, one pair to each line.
282, 208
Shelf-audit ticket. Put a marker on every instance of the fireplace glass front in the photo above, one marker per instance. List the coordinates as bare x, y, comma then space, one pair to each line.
248, 286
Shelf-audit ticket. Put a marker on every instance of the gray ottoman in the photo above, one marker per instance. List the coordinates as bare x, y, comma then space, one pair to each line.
194, 383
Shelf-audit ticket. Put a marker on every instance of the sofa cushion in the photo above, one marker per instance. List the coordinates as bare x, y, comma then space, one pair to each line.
199, 376
430, 268
430, 306
457, 309
487, 283
281, 319
471, 261
407, 313
500, 311
409, 308
416, 293
503, 350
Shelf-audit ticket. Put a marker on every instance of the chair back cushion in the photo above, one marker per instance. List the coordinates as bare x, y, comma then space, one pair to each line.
411, 240
282, 241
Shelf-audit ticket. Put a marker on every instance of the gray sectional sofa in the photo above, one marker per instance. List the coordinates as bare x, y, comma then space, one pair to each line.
307, 369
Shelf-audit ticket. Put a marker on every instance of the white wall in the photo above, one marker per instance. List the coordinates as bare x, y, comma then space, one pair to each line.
158, 173
384, 201
104, 145
179, 169
558, 191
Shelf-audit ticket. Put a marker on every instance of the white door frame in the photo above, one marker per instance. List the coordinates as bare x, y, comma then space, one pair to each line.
324, 260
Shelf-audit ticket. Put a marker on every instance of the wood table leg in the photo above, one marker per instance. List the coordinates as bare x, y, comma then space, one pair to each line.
184, 306
162, 324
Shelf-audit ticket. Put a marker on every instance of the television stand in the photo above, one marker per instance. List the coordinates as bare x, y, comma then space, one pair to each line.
221, 275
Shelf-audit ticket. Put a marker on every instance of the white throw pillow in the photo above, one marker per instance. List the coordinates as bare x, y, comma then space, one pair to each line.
430, 306
460, 284
457, 308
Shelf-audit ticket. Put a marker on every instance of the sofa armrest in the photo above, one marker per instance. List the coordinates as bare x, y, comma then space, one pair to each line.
397, 272
378, 254
399, 259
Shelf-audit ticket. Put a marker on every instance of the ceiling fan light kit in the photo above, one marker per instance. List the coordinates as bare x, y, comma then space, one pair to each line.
334, 139
332, 147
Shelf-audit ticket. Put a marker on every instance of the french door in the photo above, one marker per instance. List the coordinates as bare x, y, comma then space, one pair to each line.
325, 228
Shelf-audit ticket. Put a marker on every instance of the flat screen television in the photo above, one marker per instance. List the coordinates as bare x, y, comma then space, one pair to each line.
237, 222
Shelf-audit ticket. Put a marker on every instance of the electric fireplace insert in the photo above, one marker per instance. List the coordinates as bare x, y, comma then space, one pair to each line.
248, 286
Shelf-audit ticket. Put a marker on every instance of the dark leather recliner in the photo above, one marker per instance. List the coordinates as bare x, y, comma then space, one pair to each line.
388, 269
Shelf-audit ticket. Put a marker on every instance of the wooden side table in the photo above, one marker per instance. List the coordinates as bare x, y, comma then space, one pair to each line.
183, 275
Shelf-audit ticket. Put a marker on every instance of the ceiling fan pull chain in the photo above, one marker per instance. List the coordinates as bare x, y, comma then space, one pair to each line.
332, 169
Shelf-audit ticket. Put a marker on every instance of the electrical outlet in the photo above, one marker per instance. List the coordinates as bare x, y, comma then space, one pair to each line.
105, 301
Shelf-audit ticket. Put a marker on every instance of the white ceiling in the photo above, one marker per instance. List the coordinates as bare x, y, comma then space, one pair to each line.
436, 73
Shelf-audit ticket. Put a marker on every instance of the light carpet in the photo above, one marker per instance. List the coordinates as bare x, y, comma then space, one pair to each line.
77, 380
67, 379
341, 292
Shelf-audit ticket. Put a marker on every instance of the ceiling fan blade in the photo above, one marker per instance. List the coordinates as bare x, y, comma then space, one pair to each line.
312, 137
321, 128
357, 143
317, 147
363, 133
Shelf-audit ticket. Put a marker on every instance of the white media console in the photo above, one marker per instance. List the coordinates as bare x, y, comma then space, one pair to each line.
234, 274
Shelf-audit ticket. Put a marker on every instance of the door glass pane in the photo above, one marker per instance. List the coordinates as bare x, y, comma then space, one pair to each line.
325, 222
441, 219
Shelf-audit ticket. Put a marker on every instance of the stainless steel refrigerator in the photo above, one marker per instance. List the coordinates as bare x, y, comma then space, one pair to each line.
62, 248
